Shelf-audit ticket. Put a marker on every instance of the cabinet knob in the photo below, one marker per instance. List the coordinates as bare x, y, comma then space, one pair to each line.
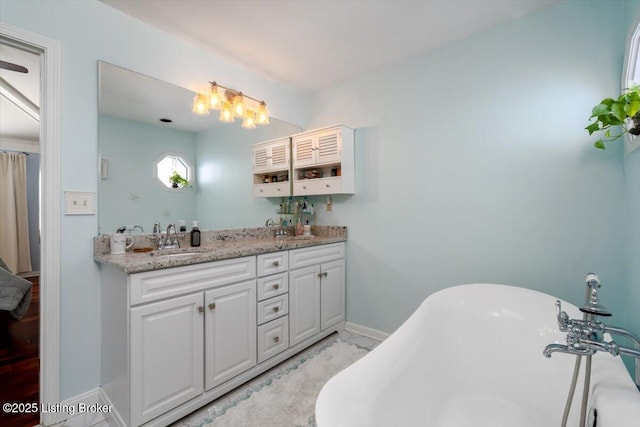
322, 274
304, 187
276, 263
212, 306
327, 185
261, 190
276, 286
276, 339
276, 309
278, 189
200, 309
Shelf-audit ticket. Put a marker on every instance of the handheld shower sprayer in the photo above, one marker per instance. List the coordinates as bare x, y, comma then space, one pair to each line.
592, 304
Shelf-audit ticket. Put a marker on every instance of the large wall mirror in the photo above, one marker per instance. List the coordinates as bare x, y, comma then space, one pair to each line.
146, 125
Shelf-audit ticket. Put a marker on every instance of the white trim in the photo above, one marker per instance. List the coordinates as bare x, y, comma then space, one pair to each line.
631, 59
86, 409
115, 419
366, 331
50, 208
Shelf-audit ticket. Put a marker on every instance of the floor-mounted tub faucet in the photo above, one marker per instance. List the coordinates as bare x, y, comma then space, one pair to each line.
585, 337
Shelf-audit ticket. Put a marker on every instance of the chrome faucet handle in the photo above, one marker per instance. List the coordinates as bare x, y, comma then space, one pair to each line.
157, 228
562, 316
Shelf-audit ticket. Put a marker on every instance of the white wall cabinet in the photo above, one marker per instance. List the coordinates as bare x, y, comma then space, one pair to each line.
316, 290
175, 339
272, 168
315, 162
323, 161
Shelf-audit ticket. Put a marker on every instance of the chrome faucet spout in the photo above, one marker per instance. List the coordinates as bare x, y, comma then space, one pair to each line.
561, 348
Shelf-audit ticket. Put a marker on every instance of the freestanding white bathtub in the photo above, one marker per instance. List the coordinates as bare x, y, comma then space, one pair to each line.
471, 356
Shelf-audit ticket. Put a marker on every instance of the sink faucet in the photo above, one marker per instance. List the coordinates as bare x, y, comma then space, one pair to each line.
166, 242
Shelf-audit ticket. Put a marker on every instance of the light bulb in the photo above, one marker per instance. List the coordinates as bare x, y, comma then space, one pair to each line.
226, 113
238, 105
249, 121
215, 99
263, 114
200, 105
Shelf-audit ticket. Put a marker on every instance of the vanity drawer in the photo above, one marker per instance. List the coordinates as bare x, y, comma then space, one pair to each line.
273, 338
315, 255
271, 286
272, 263
169, 282
273, 308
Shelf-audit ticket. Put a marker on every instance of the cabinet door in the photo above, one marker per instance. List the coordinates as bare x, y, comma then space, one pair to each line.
279, 156
230, 332
166, 355
260, 158
303, 150
329, 146
304, 303
332, 293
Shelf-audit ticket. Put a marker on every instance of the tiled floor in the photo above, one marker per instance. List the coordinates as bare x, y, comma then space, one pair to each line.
194, 418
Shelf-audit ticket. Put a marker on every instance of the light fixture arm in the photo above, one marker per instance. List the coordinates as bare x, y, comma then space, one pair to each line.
228, 91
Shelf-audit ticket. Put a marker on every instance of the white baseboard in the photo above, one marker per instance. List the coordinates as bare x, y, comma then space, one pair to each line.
85, 409
366, 331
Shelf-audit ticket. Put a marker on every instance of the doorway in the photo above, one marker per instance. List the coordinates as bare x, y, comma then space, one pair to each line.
20, 231
49, 221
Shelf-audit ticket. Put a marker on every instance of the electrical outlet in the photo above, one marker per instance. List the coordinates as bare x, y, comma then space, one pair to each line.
79, 203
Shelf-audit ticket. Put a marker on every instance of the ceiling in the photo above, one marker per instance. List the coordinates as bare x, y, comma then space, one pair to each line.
133, 96
15, 124
314, 44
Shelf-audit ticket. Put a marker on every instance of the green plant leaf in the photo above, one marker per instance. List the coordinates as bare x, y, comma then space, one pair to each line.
608, 102
618, 112
632, 108
608, 133
599, 144
593, 127
600, 109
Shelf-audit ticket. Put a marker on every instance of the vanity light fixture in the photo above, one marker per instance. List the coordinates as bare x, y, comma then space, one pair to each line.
232, 104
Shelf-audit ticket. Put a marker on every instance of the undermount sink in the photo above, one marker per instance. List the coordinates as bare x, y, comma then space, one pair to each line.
176, 255
173, 253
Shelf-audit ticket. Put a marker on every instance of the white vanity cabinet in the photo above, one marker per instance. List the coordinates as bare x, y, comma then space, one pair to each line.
175, 339
316, 290
273, 304
323, 161
272, 168
166, 355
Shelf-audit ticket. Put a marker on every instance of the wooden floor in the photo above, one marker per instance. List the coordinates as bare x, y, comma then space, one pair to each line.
20, 362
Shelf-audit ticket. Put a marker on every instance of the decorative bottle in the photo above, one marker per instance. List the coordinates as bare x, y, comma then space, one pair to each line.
195, 234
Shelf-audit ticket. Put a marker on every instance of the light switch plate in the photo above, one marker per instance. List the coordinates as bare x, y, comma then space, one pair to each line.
79, 203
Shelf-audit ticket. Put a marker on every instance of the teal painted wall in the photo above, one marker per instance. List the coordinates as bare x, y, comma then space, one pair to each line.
132, 150
473, 166
225, 186
89, 31
632, 223
472, 161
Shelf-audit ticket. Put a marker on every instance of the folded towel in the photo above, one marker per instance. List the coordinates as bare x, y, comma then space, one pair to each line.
15, 293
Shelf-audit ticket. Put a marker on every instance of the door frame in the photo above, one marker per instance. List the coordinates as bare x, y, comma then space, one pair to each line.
50, 211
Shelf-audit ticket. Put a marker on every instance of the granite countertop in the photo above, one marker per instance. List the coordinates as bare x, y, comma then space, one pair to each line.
216, 245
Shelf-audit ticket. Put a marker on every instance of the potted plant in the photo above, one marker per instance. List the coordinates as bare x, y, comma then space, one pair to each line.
623, 111
177, 180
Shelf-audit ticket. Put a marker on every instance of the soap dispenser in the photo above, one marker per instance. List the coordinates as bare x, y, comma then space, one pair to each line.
195, 234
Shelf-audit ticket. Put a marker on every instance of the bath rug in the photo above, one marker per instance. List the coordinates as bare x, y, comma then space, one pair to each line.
286, 398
